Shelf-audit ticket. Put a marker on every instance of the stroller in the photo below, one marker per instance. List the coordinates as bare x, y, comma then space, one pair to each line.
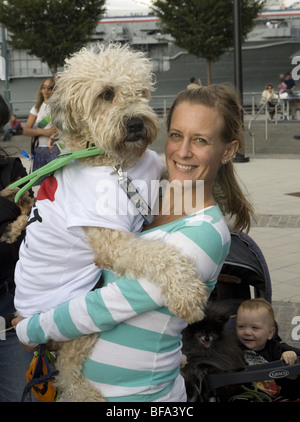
244, 275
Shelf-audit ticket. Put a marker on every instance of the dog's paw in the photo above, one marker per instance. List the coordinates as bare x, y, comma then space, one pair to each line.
189, 302
183, 361
14, 229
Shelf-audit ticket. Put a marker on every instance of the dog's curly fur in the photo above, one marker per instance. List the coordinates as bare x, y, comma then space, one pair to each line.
25, 203
102, 99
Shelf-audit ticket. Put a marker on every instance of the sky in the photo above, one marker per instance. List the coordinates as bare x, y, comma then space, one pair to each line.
119, 7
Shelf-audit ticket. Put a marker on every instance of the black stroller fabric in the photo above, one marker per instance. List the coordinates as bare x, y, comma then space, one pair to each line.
244, 267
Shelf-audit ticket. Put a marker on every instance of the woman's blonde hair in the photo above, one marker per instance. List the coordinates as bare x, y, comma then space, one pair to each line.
39, 95
227, 191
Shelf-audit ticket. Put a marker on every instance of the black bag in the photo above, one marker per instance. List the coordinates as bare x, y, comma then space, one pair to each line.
34, 144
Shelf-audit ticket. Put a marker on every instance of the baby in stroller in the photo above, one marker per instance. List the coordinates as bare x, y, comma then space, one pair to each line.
256, 331
244, 268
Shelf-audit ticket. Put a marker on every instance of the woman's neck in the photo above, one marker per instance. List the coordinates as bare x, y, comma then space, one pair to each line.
175, 205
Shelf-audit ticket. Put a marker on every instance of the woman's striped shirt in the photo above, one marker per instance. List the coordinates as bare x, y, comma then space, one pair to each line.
137, 356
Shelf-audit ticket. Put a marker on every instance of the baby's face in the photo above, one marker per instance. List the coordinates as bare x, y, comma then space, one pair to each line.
254, 328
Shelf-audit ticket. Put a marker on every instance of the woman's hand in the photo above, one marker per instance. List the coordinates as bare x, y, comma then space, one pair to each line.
14, 323
50, 132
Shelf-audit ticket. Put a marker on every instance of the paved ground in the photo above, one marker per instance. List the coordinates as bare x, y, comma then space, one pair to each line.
272, 179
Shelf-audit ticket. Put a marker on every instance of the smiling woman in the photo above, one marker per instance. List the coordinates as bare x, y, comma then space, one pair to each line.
138, 350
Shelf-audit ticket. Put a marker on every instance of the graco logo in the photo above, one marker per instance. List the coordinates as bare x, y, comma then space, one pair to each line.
279, 373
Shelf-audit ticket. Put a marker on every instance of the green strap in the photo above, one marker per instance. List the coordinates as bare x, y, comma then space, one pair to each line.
57, 163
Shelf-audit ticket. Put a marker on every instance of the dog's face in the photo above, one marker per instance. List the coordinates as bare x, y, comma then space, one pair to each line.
102, 98
206, 333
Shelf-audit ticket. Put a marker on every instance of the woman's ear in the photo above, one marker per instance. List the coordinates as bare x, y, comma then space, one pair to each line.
230, 151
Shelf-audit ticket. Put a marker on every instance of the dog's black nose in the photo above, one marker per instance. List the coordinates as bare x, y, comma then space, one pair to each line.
135, 125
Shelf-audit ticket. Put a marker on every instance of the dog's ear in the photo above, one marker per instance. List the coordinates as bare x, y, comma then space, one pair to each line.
217, 312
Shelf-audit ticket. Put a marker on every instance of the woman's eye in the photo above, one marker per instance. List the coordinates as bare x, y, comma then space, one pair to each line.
174, 135
200, 140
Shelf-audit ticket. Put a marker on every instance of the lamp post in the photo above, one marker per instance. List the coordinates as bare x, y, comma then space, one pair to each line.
238, 68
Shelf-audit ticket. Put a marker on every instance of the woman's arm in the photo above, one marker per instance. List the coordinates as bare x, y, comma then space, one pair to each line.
28, 129
99, 310
123, 299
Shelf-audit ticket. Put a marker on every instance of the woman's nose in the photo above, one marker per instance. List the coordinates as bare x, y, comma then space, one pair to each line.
185, 149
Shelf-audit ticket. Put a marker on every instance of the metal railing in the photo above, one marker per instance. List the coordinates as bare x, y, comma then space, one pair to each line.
263, 108
162, 103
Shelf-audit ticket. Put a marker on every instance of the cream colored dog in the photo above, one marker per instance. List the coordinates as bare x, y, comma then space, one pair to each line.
102, 99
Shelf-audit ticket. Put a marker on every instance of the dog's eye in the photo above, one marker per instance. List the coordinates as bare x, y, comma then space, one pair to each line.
146, 93
108, 95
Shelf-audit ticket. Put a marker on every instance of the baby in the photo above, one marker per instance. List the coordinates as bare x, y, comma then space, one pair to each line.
255, 328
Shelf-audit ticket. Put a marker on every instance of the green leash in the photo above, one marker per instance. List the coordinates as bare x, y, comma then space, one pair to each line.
63, 159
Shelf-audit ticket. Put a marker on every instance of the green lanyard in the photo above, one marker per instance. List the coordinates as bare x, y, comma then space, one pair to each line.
43, 123
51, 167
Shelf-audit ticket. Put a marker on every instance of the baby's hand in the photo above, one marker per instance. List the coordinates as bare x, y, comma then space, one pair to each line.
289, 357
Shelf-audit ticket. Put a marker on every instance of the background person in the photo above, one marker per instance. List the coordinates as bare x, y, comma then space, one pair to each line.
14, 360
193, 84
268, 95
137, 355
15, 128
291, 88
39, 126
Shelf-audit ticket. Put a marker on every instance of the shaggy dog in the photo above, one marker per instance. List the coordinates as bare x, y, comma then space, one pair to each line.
102, 99
208, 346
25, 203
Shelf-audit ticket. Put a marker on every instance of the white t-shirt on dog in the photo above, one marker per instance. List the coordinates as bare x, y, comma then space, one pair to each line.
56, 263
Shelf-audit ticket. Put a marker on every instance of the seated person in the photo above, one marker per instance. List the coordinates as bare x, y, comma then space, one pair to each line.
268, 95
291, 87
255, 329
15, 129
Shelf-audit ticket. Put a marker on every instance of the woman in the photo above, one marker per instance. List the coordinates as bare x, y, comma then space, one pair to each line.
39, 126
138, 352
14, 361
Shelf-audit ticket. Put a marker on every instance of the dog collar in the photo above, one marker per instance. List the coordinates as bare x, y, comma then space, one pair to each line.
132, 193
63, 159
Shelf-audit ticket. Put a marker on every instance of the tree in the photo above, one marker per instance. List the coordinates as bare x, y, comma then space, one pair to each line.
204, 28
50, 29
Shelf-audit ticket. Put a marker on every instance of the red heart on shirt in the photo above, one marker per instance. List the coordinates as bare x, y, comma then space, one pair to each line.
47, 189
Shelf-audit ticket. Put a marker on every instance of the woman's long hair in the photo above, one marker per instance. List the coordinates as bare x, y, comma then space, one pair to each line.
227, 190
